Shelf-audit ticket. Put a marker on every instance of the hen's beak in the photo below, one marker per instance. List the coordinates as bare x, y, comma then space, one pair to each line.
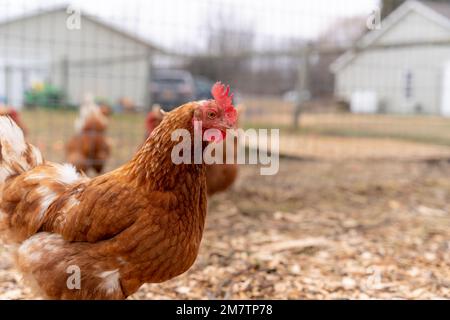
224, 127
227, 124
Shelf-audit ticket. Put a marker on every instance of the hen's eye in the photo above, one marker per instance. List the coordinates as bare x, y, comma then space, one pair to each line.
211, 114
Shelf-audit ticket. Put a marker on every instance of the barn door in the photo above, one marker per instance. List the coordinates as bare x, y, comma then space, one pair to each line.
445, 101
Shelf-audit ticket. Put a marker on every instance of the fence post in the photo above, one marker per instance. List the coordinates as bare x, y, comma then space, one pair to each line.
7, 84
302, 83
148, 93
65, 79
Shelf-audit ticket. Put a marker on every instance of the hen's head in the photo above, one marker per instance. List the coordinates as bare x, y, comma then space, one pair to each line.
218, 113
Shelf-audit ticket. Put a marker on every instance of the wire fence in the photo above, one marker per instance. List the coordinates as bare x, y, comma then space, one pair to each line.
317, 72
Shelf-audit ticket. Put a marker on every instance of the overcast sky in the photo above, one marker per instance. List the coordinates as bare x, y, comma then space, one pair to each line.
178, 23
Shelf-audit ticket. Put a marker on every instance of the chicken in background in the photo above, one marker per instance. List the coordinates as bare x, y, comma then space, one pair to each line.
153, 119
14, 114
219, 177
105, 108
89, 147
140, 223
90, 109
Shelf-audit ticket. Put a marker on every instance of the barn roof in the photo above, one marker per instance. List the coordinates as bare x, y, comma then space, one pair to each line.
439, 12
91, 18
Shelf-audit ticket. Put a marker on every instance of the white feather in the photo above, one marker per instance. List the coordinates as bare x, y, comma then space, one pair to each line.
67, 174
110, 280
13, 135
48, 197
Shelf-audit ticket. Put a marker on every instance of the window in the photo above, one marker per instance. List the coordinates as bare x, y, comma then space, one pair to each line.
408, 87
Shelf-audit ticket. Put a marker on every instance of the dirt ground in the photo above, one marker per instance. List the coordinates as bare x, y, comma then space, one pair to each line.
352, 229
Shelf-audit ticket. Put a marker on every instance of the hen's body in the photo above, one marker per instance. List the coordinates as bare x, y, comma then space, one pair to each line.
153, 119
140, 223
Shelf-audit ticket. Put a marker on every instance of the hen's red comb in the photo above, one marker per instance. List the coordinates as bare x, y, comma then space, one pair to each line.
222, 95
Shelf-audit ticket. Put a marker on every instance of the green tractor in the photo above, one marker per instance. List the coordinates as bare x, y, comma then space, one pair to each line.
45, 95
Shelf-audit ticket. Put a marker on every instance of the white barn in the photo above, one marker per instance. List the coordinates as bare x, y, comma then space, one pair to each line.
402, 68
98, 58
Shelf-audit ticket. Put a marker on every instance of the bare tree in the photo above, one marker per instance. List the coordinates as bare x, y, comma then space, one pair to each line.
229, 37
342, 33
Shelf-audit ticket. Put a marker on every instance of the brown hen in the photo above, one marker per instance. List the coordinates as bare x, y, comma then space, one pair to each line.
142, 222
89, 147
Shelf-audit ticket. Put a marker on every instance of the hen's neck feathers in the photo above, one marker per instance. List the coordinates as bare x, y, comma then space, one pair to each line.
152, 165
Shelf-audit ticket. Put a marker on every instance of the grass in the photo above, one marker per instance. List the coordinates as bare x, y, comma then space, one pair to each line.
271, 113
51, 129
422, 129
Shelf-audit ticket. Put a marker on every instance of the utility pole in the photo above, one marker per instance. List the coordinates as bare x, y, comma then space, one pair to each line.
65, 79
148, 81
302, 83
8, 89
